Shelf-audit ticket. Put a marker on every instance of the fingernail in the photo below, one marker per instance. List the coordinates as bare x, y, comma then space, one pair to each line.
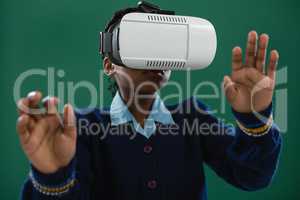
67, 106
20, 118
276, 53
45, 99
252, 32
265, 35
236, 49
31, 94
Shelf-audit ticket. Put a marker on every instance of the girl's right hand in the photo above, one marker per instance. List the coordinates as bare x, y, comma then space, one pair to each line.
48, 141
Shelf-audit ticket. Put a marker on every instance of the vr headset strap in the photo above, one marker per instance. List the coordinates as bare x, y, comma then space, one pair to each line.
105, 42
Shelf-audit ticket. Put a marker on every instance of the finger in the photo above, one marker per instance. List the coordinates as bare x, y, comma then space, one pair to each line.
261, 54
23, 106
50, 104
251, 49
34, 99
32, 123
236, 58
229, 89
37, 136
274, 57
69, 121
22, 128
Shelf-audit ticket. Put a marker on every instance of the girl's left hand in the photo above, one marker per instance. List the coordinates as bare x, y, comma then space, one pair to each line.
250, 87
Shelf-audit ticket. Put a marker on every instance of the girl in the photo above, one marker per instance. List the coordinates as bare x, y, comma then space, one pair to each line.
139, 148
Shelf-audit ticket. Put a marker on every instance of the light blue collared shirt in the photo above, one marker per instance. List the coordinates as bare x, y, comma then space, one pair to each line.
120, 114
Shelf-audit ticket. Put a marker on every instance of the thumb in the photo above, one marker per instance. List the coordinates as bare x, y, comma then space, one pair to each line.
229, 89
69, 121
22, 128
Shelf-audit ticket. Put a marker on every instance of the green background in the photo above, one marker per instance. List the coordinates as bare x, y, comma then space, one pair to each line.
64, 34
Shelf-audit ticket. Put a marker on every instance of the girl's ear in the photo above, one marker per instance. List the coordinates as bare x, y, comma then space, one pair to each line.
109, 67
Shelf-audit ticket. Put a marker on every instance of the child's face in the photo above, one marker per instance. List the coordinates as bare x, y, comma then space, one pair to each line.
141, 81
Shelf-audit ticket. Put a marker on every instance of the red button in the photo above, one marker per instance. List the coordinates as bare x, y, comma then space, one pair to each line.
152, 184
147, 149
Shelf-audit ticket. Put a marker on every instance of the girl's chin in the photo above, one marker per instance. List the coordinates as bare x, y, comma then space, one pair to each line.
150, 89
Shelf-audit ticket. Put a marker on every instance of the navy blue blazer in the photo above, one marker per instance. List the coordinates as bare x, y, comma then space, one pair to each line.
123, 165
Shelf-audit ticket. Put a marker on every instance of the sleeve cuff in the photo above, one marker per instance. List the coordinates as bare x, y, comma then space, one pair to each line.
59, 178
251, 120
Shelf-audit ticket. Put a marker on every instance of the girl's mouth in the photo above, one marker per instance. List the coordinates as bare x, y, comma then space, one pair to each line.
158, 72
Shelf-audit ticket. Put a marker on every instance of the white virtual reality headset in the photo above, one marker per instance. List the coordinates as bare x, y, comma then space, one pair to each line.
150, 38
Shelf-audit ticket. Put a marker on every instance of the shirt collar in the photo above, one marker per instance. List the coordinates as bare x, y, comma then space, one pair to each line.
120, 114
